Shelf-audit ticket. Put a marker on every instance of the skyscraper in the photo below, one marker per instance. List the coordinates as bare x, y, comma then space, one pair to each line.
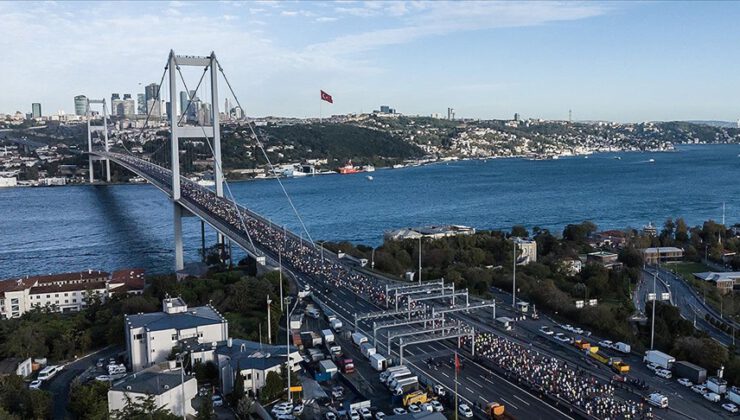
114, 96
141, 106
184, 101
80, 105
36, 110
126, 96
150, 91
129, 106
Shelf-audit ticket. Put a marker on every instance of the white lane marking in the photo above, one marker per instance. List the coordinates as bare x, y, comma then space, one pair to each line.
521, 400
487, 380
476, 383
507, 402
485, 400
409, 352
470, 390
446, 375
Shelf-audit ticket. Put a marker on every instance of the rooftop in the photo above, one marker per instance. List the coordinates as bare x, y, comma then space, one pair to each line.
191, 318
56, 288
10, 365
654, 250
718, 276
149, 382
247, 354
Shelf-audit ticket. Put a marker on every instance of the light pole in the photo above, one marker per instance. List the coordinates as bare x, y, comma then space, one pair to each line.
287, 342
420, 260
269, 321
655, 300
280, 273
513, 281
181, 359
372, 259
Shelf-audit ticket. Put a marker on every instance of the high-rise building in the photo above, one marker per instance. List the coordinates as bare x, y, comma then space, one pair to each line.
80, 105
114, 96
150, 92
516, 116
141, 103
184, 102
129, 107
36, 110
154, 108
126, 96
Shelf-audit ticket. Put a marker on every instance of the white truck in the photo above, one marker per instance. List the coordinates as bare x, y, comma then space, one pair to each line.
398, 379
384, 375
406, 385
622, 347
358, 339
367, 349
335, 325
328, 336
659, 358
734, 395
396, 374
658, 400
717, 385
116, 369
378, 362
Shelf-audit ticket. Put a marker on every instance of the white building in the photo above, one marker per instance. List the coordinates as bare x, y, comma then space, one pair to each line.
8, 182
65, 292
166, 388
151, 337
527, 251
253, 360
16, 366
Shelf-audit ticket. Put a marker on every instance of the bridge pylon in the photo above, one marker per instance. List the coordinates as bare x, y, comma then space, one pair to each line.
104, 129
178, 131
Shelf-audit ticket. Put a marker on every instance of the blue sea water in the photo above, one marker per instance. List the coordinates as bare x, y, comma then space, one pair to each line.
45, 230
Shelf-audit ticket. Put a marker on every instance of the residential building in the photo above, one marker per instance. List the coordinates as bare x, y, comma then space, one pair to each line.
604, 259
170, 391
80, 105
251, 359
16, 366
527, 251
150, 337
65, 292
141, 104
725, 281
36, 110
571, 266
434, 232
662, 254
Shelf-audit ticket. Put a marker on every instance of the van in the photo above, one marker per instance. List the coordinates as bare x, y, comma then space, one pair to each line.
658, 400
49, 372
313, 313
663, 373
116, 369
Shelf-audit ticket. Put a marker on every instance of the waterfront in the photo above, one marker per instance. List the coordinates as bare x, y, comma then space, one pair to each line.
73, 228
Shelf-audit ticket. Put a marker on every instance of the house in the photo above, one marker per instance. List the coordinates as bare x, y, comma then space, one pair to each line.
16, 366
434, 232
608, 238
65, 292
604, 259
527, 251
170, 390
151, 337
725, 281
661, 254
571, 266
251, 359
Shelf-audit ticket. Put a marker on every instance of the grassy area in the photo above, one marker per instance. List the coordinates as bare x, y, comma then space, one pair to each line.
687, 269
731, 304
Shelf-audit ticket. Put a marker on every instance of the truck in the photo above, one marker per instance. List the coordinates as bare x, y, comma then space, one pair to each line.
690, 371
407, 385
329, 314
396, 374
399, 379
334, 349
582, 344
347, 365
658, 400
416, 397
297, 342
311, 339
734, 395
305, 292
296, 321
601, 357
619, 366
496, 410
116, 369
384, 375
336, 325
378, 362
622, 347
316, 355
659, 358
367, 349
327, 366
327, 335
358, 339
717, 385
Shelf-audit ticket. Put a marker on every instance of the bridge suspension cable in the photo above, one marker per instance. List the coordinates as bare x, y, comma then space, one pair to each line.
267, 158
216, 161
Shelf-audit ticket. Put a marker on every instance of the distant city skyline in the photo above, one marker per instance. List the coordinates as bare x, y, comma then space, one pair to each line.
617, 61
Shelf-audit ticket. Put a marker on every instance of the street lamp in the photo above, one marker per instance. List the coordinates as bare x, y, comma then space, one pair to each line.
269, 321
287, 343
420, 259
180, 357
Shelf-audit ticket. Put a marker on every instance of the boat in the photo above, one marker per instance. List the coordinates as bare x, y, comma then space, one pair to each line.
398, 165
618, 157
651, 161
368, 168
369, 178
348, 169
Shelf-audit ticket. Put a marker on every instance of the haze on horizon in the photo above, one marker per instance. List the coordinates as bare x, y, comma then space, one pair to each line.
618, 61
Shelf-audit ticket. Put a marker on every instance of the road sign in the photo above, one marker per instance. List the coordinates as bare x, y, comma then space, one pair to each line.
665, 296
296, 388
651, 296
579, 304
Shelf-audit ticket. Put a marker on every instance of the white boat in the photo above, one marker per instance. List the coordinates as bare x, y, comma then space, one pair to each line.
651, 161
368, 168
369, 178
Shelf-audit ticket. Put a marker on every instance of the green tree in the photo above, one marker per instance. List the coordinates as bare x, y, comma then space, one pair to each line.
519, 231
244, 407
274, 387
142, 409
205, 410
238, 393
89, 401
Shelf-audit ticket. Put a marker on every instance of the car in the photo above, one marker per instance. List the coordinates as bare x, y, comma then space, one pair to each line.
652, 366
437, 406
699, 389
285, 417
663, 373
414, 408
685, 382
439, 390
606, 344
427, 407
282, 408
567, 327
365, 413
711, 396
563, 338
544, 330
298, 410
100, 363
217, 400
35, 384
354, 415
578, 330
379, 415
399, 411
464, 410
330, 416
732, 408
102, 378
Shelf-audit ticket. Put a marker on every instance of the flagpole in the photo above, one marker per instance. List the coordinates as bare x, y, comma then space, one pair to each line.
456, 369
321, 99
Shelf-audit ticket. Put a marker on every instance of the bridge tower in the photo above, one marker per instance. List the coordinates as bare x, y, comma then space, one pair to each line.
104, 129
177, 132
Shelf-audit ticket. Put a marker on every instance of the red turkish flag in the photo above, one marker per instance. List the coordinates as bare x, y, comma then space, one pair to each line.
326, 97
457, 363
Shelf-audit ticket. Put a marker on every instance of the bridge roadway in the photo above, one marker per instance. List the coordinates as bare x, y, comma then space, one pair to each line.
354, 294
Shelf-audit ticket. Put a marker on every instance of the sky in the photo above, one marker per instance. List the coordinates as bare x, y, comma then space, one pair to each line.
618, 61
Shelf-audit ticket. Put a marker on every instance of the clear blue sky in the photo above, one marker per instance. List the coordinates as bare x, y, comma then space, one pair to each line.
621, 61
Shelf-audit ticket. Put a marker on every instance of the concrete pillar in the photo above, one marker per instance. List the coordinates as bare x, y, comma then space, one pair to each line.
218, 169
105, 133
175, 147
177, 218
89, 144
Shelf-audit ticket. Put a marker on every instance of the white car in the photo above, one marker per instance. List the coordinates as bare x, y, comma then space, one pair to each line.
544, 330
413, 408
439, 390
354, 415
437, 406
399, 411
298, 410
685, 382
102, 378
464, 410
217, 400
567, 327
282, 408
577, 330
379, 415
652, 366
365, 413
606, 344
562, 338
35, 384
711, 396
663, 373
732, 408
699, 389
330, 416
